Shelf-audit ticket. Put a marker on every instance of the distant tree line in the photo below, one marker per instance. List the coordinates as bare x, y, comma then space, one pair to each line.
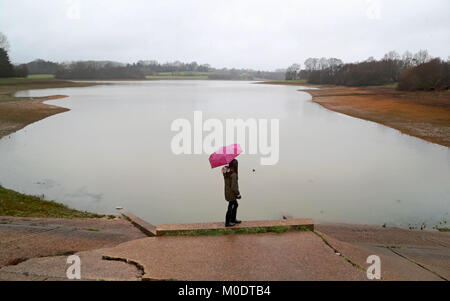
95, 70
153, 67
6, 68
412, 72
141, 69
43, 67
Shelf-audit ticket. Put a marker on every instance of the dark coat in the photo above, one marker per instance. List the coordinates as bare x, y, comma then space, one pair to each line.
231, 184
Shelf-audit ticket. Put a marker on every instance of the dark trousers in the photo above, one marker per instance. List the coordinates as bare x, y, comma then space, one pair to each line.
231, 212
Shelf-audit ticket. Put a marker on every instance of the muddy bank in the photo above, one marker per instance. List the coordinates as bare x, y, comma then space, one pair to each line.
18, 112
425, 115
15, 115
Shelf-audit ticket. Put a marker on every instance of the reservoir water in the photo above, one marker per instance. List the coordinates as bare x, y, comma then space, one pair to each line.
114, 149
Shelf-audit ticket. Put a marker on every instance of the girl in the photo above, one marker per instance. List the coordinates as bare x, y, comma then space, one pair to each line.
232, 194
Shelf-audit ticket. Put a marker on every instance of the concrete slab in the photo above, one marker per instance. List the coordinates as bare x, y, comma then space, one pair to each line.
6, 276
298, 255
24, 238
411, 254
93, 268
393, 267
436, 260
174, 228
389, 236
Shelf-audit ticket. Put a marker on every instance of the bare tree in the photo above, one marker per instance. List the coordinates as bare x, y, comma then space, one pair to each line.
334, 62
407, 59
4, 42
313, 64
391, 56
421, 57
308, 64
292, 72
295, 67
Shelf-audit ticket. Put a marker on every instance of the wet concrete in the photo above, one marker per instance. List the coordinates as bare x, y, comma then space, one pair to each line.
93, 268
405, 254
385, 236
24, 238
289, 256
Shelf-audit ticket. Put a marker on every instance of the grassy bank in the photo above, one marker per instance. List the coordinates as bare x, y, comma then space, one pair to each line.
13, 203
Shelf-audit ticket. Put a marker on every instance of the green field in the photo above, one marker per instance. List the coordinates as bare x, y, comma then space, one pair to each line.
175, 77
180, 75
41, 76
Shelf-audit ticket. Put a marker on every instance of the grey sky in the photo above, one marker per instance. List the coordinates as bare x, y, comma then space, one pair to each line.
227, 33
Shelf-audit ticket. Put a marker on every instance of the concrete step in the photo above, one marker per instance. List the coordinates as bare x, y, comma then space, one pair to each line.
180, 228
145, 227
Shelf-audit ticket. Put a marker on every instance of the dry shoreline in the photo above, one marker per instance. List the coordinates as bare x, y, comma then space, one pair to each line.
18, 112
425, 115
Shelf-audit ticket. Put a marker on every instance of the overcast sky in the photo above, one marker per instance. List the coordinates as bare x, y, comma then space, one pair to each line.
224, 33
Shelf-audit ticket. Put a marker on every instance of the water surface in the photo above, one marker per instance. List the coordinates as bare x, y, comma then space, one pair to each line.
113, 149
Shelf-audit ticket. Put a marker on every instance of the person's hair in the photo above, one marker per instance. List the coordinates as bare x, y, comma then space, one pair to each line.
234, 165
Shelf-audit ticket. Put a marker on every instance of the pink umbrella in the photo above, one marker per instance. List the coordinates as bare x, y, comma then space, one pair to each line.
225, 155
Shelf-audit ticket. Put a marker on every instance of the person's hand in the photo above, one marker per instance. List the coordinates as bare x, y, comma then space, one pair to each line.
239, 197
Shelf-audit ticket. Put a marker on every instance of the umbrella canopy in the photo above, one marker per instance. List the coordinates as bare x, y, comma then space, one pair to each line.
225, 155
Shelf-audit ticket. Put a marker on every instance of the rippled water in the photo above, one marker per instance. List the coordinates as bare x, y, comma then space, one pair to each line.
113, 149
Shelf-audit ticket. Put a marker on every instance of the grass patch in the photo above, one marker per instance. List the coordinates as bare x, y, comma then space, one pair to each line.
41, 76
93, 229
297, 81
230, 231
443, 229
179, 75
13, 203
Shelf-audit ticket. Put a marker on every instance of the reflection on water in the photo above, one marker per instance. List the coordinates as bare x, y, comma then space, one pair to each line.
113, 149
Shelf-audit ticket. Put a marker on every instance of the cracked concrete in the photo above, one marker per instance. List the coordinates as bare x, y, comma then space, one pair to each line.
405, 254
297, 255
93, 268
24, 238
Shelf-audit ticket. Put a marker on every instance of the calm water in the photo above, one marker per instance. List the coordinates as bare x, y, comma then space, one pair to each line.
113, 149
